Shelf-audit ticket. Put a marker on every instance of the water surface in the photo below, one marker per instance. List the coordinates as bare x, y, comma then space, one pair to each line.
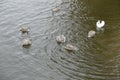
97, 58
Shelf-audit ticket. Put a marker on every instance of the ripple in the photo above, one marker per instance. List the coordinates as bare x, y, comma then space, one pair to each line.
97, 58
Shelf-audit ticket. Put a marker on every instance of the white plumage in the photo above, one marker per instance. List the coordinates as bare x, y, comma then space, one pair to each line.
100, 24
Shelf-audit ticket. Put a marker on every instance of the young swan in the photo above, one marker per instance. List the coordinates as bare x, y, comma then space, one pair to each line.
91, 33
26, 42
55, 9
100, 24
25, 29
61, 39
70, 47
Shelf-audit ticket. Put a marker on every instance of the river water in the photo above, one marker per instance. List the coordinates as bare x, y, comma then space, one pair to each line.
98, 58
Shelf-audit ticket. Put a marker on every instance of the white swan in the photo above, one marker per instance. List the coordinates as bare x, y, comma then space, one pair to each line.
100, 24
91, 33
70, 47
26, 42
24, 29
61, 39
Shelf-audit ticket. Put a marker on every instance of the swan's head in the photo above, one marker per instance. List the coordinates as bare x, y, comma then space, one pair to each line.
100, 23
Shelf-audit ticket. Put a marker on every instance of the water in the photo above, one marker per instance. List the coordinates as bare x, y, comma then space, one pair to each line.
97, 58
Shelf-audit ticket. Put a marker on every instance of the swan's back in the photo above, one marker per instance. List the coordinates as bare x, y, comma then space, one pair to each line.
100, 24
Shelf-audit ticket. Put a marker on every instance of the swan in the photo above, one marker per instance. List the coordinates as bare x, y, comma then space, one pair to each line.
55, 9
100, 24
70, 47
61, 39
26, 42
91, 33
24, 29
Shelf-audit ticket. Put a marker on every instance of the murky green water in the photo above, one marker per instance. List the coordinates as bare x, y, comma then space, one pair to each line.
97, 58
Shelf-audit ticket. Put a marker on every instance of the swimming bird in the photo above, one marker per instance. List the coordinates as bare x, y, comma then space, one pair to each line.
61, 39
55, 9
100, 24
26, 42
70, 47
91, 33
25, 29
